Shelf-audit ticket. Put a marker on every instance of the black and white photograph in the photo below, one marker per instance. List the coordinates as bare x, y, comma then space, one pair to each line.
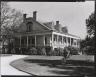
47, 38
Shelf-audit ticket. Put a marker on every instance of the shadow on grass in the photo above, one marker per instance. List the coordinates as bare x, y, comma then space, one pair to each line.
78, 68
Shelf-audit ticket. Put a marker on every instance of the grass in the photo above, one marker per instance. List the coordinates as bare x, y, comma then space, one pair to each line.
76, 65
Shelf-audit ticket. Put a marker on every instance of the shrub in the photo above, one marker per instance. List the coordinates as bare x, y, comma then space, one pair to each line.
73, 50
33, 51
39, 51
66, 52
43, 51
61, 51
89, 50
53, 52
57, 52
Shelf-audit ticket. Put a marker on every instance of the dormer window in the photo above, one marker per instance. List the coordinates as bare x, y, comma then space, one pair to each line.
29, 26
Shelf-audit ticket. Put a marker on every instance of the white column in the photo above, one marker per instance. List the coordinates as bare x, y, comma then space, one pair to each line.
52, 39
35, 40
27, 41
70, 41
76, 42
66, 41
73, 42
62, 40
44, 40
20, 41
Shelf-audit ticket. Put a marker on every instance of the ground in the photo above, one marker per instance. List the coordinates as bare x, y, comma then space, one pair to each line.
42, 65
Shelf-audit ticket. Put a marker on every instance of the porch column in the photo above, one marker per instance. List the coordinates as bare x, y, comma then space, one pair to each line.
44, 40
79, 43
70, 41
20, 41
66, 41
73, 42
27, 41
57, 39
76, 43
35, 40
62, 40
52, 39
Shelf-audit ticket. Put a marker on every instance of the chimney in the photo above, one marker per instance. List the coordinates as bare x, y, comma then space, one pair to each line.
57, 22
24, 16
34, 15
64, 29
58, 26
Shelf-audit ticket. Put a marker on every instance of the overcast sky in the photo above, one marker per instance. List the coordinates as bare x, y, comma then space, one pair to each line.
70, 14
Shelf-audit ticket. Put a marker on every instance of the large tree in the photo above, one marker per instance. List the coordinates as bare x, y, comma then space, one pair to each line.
88, 43
10, 21
10, 18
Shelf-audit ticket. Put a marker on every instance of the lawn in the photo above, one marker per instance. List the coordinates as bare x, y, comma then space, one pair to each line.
76, 65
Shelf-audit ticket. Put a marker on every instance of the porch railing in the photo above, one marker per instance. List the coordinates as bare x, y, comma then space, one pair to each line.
32, 45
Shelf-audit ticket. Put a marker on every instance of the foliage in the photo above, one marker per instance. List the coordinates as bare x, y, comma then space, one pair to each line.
33, 51
57, 52
39, 51
74, 50
10, 20
87, 45
90, 23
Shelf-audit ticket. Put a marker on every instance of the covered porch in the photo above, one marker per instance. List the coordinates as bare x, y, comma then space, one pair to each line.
33, 41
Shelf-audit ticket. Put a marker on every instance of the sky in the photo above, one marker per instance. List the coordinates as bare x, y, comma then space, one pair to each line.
70, 14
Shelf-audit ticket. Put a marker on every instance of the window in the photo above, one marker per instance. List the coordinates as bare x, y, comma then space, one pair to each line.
33, 40
29, 26
29, 40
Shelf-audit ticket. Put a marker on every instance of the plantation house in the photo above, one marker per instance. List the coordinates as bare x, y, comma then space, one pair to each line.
34, 33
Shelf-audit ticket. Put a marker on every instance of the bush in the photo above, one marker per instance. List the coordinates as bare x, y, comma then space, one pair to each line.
74, 50
43, 51
89, 50
33, 51
39, 51
57, 52
54, 52
61, 51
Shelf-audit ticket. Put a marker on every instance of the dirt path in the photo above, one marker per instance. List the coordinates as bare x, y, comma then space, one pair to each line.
6, 69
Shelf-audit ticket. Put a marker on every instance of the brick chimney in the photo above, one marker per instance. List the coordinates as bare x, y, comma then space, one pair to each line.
57, 22
58, 26
24, 16
34, 15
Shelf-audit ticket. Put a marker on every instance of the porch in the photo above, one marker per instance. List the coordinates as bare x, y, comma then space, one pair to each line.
33, 41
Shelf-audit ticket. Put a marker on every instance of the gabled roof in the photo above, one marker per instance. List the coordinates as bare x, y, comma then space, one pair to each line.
40, 23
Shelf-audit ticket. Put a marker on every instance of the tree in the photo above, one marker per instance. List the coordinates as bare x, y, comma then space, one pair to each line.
10, 21
90, 23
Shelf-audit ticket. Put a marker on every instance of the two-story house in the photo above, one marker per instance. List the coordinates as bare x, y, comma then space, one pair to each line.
33, 33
